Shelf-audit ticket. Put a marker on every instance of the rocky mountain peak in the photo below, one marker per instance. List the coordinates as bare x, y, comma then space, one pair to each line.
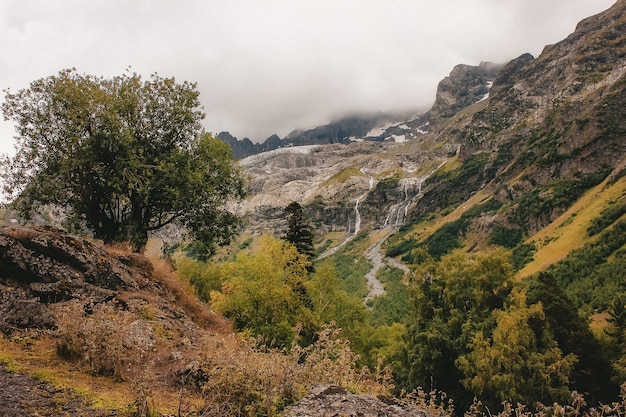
465, 85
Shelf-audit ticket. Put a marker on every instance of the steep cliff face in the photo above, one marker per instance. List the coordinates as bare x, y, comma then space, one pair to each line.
341, 187
569, 100
464, 86
326, 180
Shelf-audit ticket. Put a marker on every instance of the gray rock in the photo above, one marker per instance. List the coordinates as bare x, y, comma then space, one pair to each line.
334, 401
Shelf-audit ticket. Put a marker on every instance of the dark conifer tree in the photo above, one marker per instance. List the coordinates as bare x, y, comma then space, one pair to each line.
299, 230
592, 372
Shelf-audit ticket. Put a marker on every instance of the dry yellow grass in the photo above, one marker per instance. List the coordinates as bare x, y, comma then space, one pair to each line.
425, 229
569, 231
343, 176
38, 356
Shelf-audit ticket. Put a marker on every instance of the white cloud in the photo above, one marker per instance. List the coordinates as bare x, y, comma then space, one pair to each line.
273, 66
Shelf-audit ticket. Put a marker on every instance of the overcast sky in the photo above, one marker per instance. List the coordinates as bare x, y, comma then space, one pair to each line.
272, 66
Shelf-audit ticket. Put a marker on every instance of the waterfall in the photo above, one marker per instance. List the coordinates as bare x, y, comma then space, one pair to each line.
357, 218
357, 214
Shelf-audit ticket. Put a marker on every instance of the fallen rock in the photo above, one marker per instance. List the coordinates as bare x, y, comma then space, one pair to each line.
334, 401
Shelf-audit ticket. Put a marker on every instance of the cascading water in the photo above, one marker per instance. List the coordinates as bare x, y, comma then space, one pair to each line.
357, 217
357, 214
398, 212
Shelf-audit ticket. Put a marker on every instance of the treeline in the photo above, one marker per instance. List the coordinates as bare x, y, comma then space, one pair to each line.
462, 324
476, 332
272, 294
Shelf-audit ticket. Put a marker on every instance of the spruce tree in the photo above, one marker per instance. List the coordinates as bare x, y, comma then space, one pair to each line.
299, 230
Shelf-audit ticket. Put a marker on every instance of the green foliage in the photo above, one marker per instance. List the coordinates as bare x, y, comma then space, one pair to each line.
452, 187
518, 360
572, 333
616, 331
330, 303
447, 237
123, 155
560, 194
404, 246
452, 299
586, 275
299, 231
607, 217
522, 254
203, 276
265, 294
472, 166
350, 267
394, 305
506, 237
473, 324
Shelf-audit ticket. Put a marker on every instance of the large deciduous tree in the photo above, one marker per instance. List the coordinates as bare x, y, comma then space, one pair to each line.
125, 155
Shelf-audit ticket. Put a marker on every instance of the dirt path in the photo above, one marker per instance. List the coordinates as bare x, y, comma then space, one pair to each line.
374, 286
22, 396
374, 253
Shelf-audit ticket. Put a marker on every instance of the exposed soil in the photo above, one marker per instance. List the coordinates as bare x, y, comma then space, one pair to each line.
21, 395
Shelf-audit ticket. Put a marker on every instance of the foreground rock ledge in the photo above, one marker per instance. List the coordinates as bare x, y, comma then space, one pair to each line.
334, 401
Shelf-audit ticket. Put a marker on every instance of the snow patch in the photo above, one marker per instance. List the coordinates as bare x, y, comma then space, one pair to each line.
378, 131
486, 96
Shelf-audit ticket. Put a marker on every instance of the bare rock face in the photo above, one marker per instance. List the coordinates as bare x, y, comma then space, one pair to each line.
333, 401
465, 86
330, 181
42, 266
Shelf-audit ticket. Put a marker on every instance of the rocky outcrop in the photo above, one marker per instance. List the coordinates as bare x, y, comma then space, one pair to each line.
465, 86
333, 401
42, 266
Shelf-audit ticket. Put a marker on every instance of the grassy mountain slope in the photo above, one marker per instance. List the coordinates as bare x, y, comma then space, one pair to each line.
540, 160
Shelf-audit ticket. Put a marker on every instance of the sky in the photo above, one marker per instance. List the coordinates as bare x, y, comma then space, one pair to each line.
272, 66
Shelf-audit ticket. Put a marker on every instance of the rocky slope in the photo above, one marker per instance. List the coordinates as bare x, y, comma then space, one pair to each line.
466, 85
559, 116
75, 314
327, 400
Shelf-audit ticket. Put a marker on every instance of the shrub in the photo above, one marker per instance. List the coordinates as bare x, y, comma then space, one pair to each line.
607, 217
101, 342
522, 254
504, 236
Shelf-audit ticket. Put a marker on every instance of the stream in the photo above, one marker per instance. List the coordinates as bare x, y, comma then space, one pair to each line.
395, 218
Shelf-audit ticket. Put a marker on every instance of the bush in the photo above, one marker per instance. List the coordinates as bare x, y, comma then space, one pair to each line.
504, 236
522, 254
607, 217
248, 379
104, 342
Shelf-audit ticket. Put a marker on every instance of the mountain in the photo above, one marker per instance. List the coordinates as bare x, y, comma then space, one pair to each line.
529, 156
523, 163
532, 135
465, 86
373, 127
559, 116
